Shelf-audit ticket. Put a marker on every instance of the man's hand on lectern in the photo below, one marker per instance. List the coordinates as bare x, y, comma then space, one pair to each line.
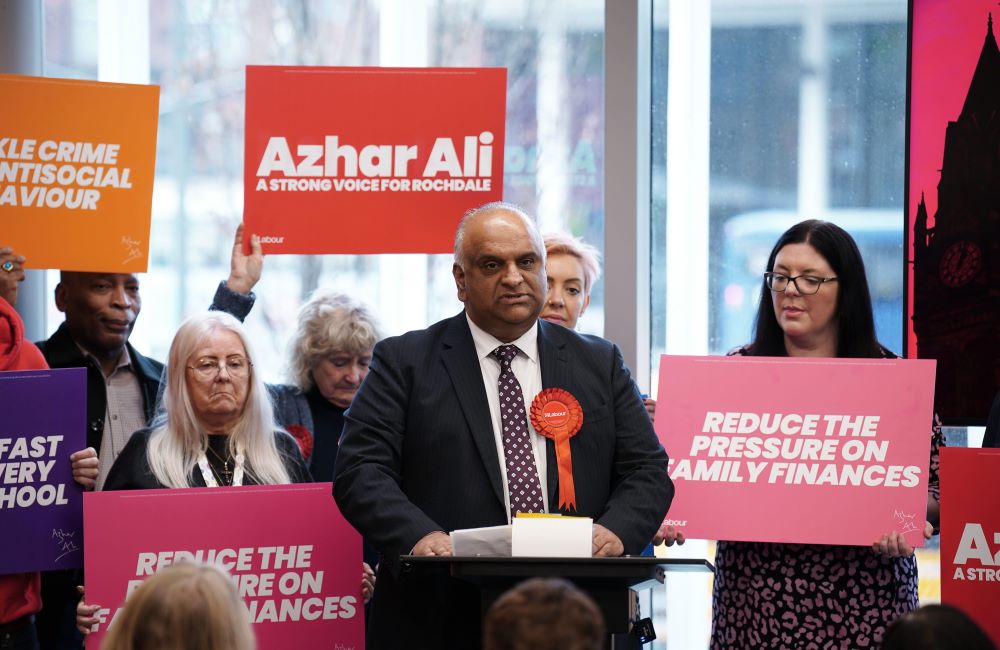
436, 543
606, 543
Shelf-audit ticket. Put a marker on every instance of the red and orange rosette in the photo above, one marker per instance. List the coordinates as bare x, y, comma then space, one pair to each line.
556, 414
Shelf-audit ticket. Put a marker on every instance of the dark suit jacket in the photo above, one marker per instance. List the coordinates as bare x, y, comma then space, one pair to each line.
131, 470
418, 455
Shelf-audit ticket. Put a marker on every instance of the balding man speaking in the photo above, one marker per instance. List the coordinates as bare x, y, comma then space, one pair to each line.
427, 448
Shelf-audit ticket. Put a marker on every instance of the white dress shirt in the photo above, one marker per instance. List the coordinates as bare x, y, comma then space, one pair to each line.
528, 371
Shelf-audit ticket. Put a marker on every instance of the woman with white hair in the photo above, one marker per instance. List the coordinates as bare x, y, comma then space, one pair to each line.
219, 428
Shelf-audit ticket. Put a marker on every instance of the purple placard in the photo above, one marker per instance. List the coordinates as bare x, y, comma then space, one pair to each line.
43, 422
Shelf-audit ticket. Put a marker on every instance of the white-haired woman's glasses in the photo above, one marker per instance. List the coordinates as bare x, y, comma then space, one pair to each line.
208, 368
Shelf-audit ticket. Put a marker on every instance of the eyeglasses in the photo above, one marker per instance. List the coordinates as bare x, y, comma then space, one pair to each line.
209, 368
807, 285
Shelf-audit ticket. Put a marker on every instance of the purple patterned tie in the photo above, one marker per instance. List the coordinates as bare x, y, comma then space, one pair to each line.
522, 476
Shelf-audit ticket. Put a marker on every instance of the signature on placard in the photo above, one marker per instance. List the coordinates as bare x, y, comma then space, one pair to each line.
66, 541
905, 521
132, 249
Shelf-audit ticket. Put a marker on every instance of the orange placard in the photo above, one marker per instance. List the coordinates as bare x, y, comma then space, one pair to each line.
370, 160
76, 172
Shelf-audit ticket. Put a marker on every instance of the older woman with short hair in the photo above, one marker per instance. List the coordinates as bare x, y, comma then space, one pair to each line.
330, 353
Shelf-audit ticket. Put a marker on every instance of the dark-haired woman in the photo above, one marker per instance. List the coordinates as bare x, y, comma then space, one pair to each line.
815, 303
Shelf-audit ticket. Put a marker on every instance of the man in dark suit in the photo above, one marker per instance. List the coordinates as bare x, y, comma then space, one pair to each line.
426, 446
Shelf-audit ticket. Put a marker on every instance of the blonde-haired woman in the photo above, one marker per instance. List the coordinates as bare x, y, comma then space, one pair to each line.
186, 606
572, 267
219, 428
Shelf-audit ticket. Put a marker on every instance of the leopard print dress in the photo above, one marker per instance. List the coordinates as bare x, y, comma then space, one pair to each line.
814, 597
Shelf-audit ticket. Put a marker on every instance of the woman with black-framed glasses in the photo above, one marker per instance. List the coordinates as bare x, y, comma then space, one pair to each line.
815, 302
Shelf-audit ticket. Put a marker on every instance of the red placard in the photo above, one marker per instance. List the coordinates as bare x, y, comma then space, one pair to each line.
296, 561
811, 451
370, 160
970, 534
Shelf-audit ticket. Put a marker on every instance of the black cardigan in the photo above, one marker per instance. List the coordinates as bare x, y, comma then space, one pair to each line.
131, 470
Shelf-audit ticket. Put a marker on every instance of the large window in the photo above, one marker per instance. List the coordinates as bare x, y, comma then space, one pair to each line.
766, 113
196, 51
801, 117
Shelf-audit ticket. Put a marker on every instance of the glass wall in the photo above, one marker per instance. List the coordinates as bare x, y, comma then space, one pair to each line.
799, 109
803, 118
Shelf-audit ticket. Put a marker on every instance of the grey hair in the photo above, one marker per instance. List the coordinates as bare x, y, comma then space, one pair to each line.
178, 442
330, 322
491, 207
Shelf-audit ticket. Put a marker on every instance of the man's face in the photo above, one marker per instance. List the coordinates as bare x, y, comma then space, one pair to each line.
100, 309
503, 280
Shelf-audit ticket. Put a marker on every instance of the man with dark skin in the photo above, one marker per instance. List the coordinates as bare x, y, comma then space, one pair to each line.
426, 443
101, 309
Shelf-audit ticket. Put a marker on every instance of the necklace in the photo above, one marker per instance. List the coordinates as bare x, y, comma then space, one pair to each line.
213, 478
227, 475
222, 482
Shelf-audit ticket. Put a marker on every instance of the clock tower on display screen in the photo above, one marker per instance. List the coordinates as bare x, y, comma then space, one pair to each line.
956, 260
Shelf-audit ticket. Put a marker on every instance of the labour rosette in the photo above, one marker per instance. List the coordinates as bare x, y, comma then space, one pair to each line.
556, 414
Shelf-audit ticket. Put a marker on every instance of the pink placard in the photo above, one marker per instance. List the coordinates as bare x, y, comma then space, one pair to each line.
813, 451
296, 561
